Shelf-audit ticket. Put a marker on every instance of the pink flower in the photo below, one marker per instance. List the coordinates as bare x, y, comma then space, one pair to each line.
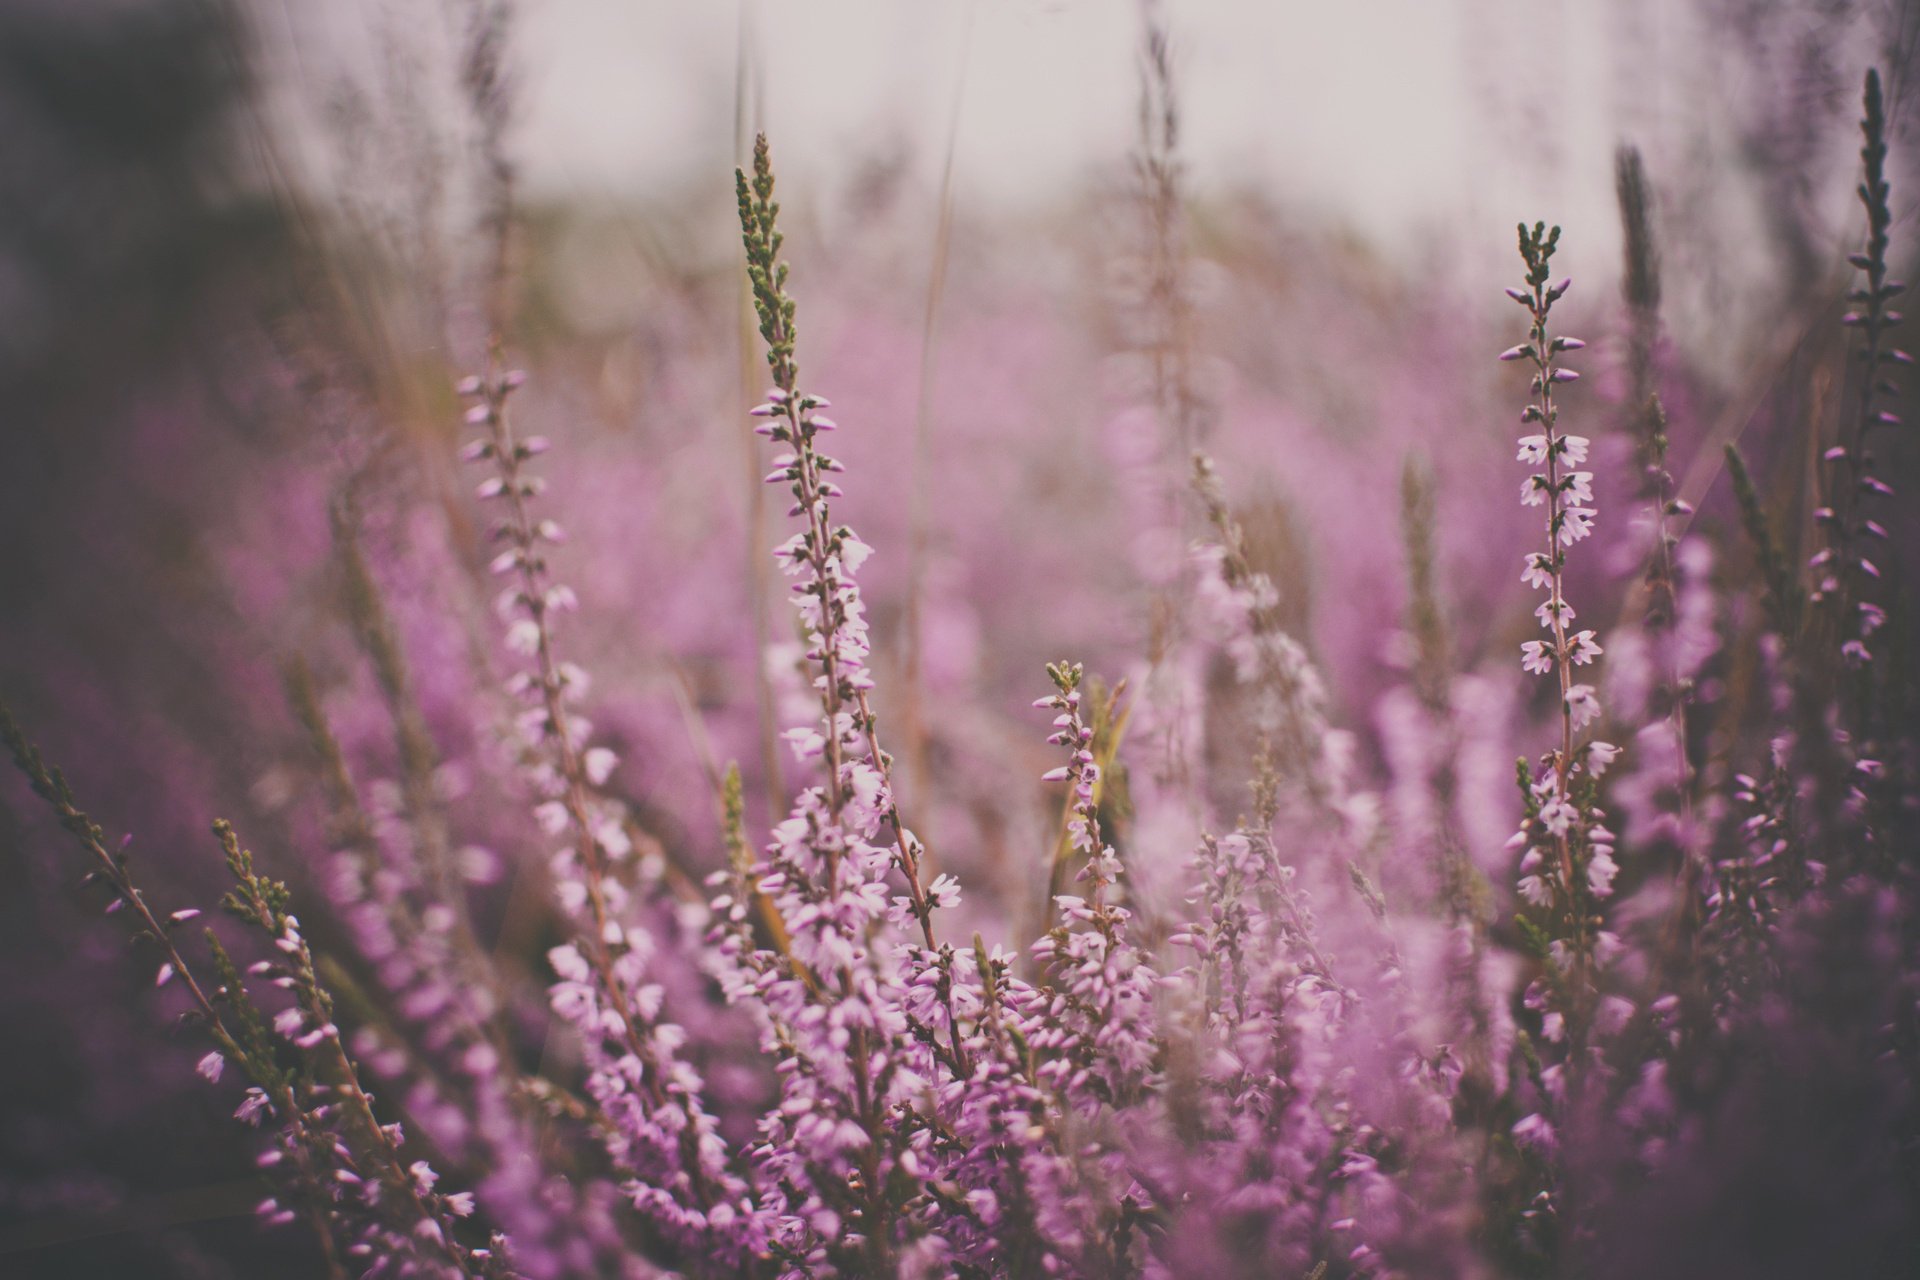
1535, 1133
1600, 757
1554, 610
1575, 524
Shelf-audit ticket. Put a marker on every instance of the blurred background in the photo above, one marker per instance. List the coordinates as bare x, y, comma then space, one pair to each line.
246, 248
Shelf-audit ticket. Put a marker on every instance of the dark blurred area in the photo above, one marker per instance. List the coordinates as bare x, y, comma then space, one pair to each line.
126, 228
121, 192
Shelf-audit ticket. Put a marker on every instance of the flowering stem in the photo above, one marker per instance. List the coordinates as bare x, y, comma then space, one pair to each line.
1574, 838
51, 786
535, 596
1110, 730
276, 1086
263, 903
822, 547
1843, 573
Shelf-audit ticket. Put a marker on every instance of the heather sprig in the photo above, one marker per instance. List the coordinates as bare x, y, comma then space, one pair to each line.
1760, 877
402, 889
338, 1165
1297, 749
372, 1166
1182, 415
1111, 715
1022, 1203
1425, 736
1271, 1139
1101, 1028
1785, 601
443, 983
835, 1159
1567, 865
1847, 711
1665, 643
658, 1131
305, 1160
1254, 936
239, 1037
1289, 701
823, 556
1090, 1023
654, 1124
1844, 573
1641, 288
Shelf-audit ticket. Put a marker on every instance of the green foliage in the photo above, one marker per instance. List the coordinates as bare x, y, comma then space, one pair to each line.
49, 783
733, 806
1784, 601
1538, 943
254, 898
765, 271
247, 1039
1537, 247
1642, 283
1426, 622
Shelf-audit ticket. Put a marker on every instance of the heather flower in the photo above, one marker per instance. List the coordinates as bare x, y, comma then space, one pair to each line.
1844, 571
332, 1155
1150, 444
1100, 987
448, 1050
656, 1128
1661, 675
1288, 710
852, 1041
1567, 854
1434, 731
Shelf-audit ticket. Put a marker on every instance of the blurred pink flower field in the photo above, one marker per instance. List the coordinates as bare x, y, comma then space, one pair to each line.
867, 726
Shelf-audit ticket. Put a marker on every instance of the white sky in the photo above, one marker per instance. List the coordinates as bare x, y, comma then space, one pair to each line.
1372, 109
1394, 118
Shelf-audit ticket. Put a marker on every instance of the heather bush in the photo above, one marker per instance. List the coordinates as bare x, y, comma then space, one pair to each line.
610, 920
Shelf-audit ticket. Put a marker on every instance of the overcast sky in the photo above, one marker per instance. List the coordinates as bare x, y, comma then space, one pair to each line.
1393, 118
1371, 109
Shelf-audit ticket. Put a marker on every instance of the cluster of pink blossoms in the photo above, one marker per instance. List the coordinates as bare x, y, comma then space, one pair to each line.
658, 1133
1567, 865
